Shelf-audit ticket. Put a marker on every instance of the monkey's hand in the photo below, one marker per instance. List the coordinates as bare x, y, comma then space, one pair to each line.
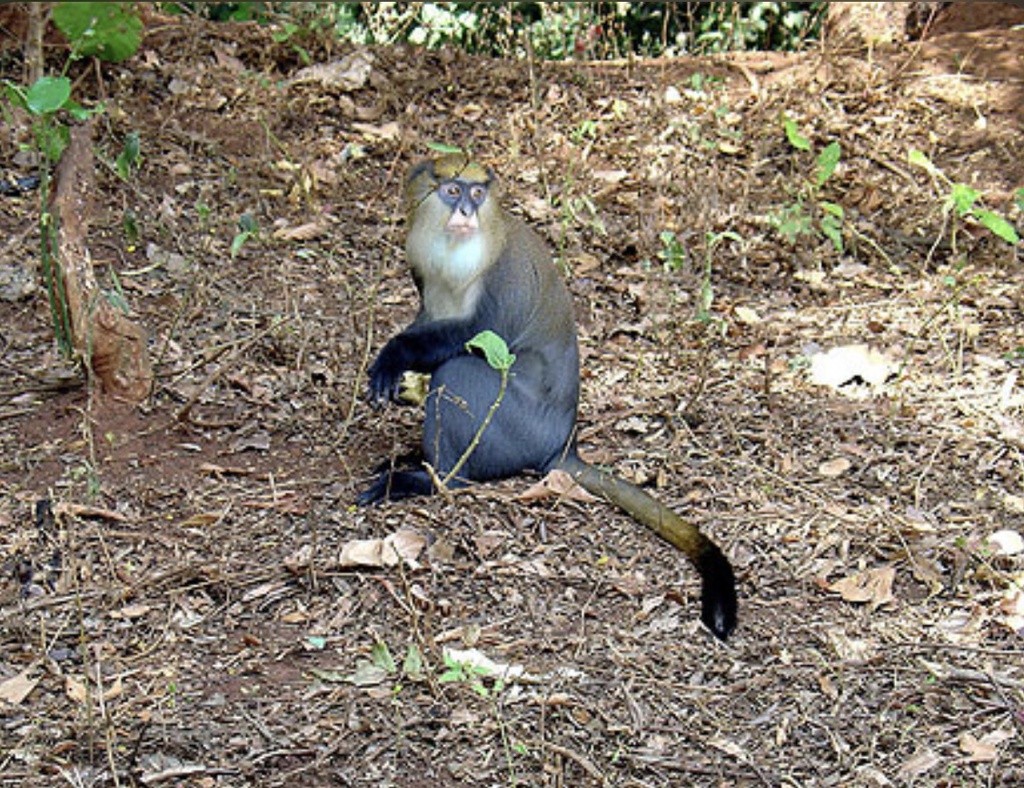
386, 373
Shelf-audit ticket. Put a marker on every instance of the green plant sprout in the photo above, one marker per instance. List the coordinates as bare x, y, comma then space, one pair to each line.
673, 254
381, 666
457, 672
706, 295
500, 359
127, 161
674, 257
809, 213
964, 200
248, 228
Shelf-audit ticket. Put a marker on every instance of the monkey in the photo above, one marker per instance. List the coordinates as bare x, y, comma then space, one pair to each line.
478, 267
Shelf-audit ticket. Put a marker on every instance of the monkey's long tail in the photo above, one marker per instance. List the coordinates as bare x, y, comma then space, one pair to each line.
718, 583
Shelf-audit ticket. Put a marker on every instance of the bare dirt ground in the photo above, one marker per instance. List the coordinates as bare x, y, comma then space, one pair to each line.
185, 617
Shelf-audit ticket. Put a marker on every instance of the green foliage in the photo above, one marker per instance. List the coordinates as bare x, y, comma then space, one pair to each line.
248, 228
809, 214
128, 159
47, 95
499, 358
673, 253
742, 26
553, 31
494, 350
963, 201
108, 31
442, 148
469, 674
796, 139
827, 162
706, 297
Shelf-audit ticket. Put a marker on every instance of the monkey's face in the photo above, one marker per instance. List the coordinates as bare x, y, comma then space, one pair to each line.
464, 199
457, 196
456, 230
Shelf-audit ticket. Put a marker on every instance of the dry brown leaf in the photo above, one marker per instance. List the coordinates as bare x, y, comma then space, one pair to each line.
296, 617
18, 687
114, 690
1012, 608
83, 510
264, 590
489, 542
131, 612
873, 586
746, 315
200, 519
922, 761
975, 750
729, 747
985, 749
557, 484
387, 131
830, 469
303, 232
75, 689
856, 650
361, 552
298, 560
404, 545
347, 74
224, 470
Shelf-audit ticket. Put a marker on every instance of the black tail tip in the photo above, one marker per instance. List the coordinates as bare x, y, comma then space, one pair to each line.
718, 594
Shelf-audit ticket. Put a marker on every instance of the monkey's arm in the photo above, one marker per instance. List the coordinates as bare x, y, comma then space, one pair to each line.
422, 347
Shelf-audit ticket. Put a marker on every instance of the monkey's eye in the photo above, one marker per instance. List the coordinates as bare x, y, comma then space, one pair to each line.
477, 193
451, 190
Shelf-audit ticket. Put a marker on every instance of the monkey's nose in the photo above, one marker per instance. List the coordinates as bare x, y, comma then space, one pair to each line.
462, 222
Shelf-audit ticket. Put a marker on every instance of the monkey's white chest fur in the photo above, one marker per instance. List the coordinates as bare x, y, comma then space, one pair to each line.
451, 270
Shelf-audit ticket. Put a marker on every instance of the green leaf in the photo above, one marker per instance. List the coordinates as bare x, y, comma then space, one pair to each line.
832, 228
494, 349
128, 160
828, 159
247, 223
367, 674
109, 31
47, 95
963, 197
1018, 197
440, 147
412, 665
833, 209
80, 113
997, 225
15, 93
238, 242
380, 655
796, 139
53, 141
918, 159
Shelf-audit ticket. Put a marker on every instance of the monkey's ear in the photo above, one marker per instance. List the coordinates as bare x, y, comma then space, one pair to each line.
417, 169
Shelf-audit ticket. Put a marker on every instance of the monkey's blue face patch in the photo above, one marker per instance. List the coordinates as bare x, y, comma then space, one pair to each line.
463, 197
